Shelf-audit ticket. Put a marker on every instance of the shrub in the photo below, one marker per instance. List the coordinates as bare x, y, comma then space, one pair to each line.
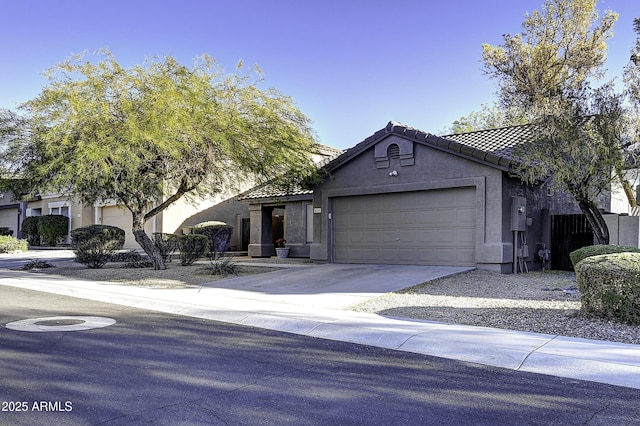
37, 264
223, 265
218, 234
52, 228
166, 244
610, 286
10, 244
30, 230
192, 247
94, 245
588, 251
4, 231
125, 256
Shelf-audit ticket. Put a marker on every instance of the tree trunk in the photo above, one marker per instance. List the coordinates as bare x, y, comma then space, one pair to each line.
595, 219
145, 242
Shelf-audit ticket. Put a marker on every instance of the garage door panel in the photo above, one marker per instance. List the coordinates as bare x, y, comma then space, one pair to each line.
425, 227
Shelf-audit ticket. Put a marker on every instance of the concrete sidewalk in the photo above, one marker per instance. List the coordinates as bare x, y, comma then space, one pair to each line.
309, 300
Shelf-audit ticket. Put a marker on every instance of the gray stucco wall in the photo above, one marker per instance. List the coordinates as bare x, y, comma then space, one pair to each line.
431, 169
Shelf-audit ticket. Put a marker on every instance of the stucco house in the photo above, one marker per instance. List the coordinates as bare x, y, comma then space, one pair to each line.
404, 196
171, 220
10, 212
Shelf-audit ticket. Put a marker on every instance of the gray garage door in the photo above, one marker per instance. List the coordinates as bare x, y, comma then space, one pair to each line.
424, 227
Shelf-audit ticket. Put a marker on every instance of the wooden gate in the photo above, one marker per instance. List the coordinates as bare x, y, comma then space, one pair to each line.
569, 232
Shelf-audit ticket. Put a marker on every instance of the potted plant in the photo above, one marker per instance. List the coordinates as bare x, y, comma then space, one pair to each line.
281, 250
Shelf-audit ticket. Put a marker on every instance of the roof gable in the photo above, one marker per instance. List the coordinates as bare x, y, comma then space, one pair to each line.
493, 147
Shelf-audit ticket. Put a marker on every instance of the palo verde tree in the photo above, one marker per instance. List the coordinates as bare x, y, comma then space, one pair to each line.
548, 71
147, 135
632, 82
489, 117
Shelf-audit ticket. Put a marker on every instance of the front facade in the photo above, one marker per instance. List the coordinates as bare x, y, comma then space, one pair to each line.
403, 196
407, 197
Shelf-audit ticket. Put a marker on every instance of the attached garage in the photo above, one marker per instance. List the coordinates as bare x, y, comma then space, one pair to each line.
9, 219
431, 227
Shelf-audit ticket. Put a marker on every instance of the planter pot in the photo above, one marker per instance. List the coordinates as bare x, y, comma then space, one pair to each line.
282, 252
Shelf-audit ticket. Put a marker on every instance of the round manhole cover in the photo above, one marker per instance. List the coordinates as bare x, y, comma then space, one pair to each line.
70, 323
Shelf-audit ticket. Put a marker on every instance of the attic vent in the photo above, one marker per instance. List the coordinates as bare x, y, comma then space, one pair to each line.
393, 152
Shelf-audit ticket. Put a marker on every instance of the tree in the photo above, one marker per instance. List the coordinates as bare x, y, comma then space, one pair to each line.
548, 71
632, 81
148, 135
490, 117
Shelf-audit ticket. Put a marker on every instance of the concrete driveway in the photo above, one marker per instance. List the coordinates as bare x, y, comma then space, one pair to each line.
332, 286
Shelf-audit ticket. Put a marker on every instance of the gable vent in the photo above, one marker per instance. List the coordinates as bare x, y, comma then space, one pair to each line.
393, 152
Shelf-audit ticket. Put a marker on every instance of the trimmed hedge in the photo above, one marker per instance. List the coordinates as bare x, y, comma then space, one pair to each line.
30, 230
95, 245
52, 228
9, 244
588, 251
218, 234
4, 231
192, 247
609, 286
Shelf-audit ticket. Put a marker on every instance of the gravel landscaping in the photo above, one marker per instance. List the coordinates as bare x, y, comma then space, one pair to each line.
537, 302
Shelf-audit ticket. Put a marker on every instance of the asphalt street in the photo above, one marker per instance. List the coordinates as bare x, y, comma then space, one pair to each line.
156, 368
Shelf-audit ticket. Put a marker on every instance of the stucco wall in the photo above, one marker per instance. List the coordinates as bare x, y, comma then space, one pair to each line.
432, 169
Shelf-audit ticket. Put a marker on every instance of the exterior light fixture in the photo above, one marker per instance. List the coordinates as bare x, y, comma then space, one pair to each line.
393, 173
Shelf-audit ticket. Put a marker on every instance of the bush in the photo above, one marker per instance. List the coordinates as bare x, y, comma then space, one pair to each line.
588, 251
192, 247
125, 256
94, 245
52, 228
10, 244
4, 231
609, 286
37, 264
30, 230
218, 234
223, 265
166, 244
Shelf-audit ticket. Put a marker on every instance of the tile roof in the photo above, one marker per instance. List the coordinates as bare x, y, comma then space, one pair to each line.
493, 147
270, 191
500, 141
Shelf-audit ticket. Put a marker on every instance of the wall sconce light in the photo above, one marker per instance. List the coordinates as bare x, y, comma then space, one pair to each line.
393, 173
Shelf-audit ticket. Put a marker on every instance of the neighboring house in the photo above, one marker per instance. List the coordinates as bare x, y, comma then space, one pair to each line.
10, 212
171, 220
403, 196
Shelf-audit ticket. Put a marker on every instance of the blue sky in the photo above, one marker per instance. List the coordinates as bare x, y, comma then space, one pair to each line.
350, 65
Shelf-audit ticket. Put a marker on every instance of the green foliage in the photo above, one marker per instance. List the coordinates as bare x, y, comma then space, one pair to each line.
192, 247
588, 251
30, 230
52, 228
223, 265
610, 286
94, 245
37, 264
125, 256
10, 244
156, 131
546, 72
219, 237
4, 231
166, 244
490, 117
